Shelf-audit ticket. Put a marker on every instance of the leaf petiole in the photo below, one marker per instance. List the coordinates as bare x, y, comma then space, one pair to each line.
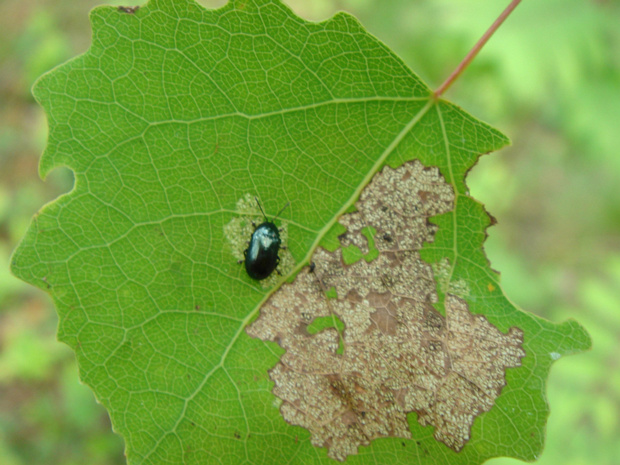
474, 51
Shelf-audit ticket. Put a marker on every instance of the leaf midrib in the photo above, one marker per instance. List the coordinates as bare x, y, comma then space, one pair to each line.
321, 234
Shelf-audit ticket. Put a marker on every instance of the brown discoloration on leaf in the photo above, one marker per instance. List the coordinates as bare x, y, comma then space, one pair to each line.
128, 9
400, 354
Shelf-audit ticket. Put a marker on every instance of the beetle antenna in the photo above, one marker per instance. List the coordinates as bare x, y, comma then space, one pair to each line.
283, 208
261, 208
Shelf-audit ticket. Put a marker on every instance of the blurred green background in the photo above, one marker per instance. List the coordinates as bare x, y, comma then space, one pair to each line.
550, 79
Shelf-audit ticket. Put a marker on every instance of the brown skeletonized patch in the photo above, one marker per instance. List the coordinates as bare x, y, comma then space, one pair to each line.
400, 354
443, 271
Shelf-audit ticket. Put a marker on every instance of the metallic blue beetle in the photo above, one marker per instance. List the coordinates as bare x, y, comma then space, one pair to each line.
261, 256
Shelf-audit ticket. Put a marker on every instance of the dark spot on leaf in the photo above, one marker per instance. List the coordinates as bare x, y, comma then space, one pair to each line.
128, 9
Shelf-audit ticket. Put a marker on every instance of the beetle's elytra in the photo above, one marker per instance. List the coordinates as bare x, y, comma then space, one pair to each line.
261, 256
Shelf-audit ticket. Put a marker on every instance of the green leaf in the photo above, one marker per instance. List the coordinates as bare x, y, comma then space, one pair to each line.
172, 122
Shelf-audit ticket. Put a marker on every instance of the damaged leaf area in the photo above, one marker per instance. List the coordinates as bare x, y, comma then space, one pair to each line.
400, 355
173, 122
